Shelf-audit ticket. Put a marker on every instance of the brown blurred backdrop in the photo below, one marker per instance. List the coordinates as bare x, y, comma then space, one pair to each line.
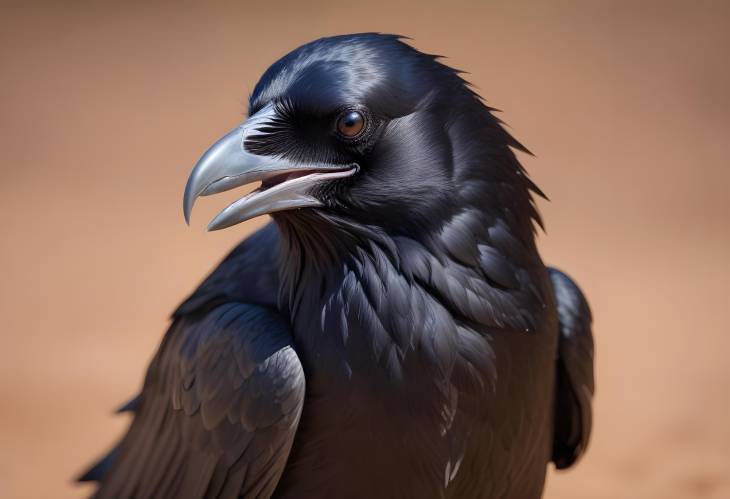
104, 108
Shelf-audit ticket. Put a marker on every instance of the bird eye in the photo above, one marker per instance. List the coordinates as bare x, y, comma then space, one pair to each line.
350, 124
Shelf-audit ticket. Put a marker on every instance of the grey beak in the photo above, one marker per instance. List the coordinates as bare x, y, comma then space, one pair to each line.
227, 165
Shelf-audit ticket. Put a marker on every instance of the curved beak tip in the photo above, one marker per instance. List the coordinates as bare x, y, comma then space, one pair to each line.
192, 192
187, 208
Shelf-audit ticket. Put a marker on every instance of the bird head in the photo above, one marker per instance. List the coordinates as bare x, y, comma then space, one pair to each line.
365, 128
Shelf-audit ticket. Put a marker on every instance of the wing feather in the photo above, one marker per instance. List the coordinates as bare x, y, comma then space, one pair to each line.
574, 381
218, 411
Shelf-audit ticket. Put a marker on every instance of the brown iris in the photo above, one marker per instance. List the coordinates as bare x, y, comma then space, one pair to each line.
350, 124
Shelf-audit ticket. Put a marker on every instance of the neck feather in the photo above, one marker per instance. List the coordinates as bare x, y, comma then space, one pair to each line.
472, 265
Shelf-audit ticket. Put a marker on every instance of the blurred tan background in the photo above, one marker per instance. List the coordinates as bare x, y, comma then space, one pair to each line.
105, 107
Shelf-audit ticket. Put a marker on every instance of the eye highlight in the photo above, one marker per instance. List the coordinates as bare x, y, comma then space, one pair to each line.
350, 124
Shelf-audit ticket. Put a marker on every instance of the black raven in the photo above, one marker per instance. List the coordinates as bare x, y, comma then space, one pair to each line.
393, 333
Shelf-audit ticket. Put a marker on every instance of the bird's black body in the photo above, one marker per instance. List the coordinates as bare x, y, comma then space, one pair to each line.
402, 341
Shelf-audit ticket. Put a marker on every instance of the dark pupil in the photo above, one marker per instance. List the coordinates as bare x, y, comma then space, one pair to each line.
351, 123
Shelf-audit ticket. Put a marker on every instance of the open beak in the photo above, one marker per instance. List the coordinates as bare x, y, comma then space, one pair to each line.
286, 184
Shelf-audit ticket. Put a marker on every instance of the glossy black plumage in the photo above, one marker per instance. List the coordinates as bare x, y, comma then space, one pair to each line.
423, 320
